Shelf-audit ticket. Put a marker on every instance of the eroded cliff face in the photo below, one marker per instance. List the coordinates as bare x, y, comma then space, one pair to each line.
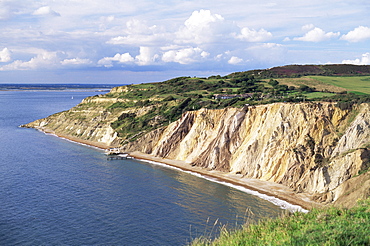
310, 147
89, 121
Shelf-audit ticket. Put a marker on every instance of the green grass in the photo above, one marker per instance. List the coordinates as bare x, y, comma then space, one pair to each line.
329, 226
318, 95
355, 84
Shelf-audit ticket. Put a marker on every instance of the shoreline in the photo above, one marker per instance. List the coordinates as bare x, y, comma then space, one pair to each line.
267, 188
270, 189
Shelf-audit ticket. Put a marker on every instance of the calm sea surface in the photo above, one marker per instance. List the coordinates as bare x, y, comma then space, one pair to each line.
55, 192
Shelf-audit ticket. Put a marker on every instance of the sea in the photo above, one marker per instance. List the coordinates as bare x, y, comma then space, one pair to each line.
57, 192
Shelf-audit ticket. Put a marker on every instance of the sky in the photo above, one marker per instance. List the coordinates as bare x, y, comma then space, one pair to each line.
122, 42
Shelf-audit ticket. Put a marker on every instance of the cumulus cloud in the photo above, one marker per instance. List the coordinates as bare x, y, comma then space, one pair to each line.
75, 61
147, 56
46, 10
204, 27
235, 60
252, 35
185, 56
316, 35
44, 59
120, 58
360, 33
5, 55
365, 60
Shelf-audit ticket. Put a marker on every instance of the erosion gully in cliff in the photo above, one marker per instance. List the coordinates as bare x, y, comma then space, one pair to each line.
312, 148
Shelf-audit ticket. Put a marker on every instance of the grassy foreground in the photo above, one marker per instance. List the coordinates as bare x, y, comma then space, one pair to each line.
329, 226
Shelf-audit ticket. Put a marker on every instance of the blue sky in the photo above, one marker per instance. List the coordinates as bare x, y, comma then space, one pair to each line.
119, 41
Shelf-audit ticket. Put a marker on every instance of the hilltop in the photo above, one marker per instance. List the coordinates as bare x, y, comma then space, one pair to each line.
291, 71
164, 102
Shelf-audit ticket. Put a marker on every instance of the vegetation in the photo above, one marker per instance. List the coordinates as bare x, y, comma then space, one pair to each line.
329, 226
357, 85
163, 102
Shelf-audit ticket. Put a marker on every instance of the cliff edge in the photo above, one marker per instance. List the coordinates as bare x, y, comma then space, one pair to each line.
315, 148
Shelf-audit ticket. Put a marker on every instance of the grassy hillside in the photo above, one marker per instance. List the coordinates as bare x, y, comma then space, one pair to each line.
149, 106
294, 71
357, 85
330, 226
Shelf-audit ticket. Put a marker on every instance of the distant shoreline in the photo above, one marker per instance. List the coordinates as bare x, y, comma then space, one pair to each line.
57, 87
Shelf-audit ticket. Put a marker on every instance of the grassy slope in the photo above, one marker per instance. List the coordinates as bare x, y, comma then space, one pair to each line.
330, 226
166, 101
358, 85
312, 82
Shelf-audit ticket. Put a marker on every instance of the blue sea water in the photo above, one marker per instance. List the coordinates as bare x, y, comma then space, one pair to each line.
56, 192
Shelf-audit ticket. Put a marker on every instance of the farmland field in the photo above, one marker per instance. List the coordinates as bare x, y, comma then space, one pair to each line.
357, 85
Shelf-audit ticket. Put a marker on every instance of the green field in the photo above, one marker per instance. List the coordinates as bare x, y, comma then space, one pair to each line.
356, 84
328, 226
313, 95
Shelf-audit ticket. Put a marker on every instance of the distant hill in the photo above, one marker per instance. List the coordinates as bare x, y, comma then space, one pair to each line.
292, 71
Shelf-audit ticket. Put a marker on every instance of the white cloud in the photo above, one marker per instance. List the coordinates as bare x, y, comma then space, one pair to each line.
172, 32
138, 33
317, 35
147, 56
185, 56
44, 59
360, 33
5, 55
203, 30
235, 60
308, 27
75, 61
252, 35
46, 10
365, 60
203, 27
120, 58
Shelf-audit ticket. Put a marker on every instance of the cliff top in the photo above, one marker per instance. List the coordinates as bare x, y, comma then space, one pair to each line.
149, 106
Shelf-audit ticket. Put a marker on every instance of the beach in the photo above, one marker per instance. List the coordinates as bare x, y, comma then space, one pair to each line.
289, 199
270, 189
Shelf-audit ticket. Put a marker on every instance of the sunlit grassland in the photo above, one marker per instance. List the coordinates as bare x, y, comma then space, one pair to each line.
328, 226
355, 84
311, 82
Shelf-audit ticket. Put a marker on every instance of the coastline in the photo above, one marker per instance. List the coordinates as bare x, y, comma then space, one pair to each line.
267, 188
270, 189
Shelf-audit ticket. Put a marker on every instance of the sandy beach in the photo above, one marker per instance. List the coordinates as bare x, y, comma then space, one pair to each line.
264, 187
270, 189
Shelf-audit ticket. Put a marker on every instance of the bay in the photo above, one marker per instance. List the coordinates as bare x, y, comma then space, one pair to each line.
56, 192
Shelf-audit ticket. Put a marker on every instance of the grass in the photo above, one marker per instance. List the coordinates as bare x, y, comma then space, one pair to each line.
318, 95
329, 226
312, 82
355, 84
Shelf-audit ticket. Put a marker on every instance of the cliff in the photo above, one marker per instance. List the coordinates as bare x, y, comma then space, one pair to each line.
316, 148
309, 147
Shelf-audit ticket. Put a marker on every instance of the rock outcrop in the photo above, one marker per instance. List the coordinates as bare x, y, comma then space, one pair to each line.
310, 147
